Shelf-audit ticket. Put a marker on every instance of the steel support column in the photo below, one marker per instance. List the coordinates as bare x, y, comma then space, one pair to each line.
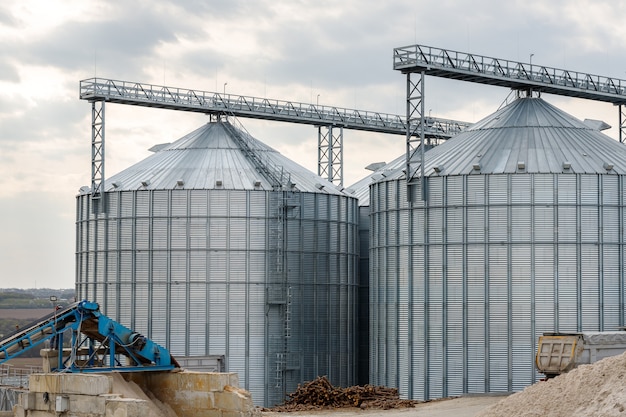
622, 123
97, 149
330, 153
415, 130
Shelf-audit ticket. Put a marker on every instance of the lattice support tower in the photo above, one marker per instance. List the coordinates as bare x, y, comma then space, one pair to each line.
330, 153
97, 149
415, 136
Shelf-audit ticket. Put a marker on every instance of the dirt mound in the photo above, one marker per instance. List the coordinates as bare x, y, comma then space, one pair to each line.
589, 390
320, 394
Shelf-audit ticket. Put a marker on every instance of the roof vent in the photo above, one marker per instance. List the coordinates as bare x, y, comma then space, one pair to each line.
180, 182
598, 125
476, 166
521, 165
145, 183
116, 184
84, 189
567, 165
319, 186
375, 166
608, 166
218, 183
157, 148
257, 183
438, 168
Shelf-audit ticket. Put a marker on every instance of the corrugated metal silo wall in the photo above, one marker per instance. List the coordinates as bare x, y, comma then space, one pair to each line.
461, 289
363, 303
267, 279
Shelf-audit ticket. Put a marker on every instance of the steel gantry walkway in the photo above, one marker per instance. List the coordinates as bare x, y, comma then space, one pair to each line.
330, 120
417, 61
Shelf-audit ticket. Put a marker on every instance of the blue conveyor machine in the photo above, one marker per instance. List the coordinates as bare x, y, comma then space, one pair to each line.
96, 343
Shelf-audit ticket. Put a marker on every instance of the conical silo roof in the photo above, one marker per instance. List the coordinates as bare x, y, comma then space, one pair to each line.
527, 136
211, 157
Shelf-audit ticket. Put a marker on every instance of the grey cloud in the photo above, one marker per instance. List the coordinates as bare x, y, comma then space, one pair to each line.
6, 18
8, 72
47, 120
122, 45
221, 9
111, 45
320, 53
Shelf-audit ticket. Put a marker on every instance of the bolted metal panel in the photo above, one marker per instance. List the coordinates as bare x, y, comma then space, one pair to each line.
192, 269
610, 289
519, 255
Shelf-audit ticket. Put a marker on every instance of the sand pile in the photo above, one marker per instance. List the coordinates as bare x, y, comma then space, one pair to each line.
129, 389
589, 390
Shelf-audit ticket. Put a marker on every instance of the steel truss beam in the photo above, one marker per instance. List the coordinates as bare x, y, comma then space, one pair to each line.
97, 149
501, 72
330, 161
330, 153
148, 95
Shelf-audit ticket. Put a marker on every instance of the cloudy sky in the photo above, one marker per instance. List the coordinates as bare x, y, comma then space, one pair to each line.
292, 50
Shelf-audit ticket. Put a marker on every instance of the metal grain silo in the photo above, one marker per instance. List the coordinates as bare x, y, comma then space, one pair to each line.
521, 233
218, 245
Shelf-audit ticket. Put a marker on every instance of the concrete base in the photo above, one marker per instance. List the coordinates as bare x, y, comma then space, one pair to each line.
136, 394
195, 394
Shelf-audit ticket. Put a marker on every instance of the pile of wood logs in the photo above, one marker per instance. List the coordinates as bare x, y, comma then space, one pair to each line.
320, 393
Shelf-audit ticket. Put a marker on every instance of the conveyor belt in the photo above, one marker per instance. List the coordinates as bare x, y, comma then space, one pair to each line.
99, 338
35, 333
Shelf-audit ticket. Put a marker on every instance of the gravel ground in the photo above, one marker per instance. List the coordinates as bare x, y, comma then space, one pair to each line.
455, 407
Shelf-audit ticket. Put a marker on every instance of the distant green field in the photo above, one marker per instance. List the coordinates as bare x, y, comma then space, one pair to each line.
33, 298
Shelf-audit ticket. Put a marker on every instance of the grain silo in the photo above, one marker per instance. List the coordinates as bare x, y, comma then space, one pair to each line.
521, 233
218, 245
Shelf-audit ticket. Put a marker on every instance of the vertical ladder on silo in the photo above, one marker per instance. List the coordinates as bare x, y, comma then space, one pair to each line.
285, 203
291, 205
278, 278
288, 315
291, 211
276, 282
